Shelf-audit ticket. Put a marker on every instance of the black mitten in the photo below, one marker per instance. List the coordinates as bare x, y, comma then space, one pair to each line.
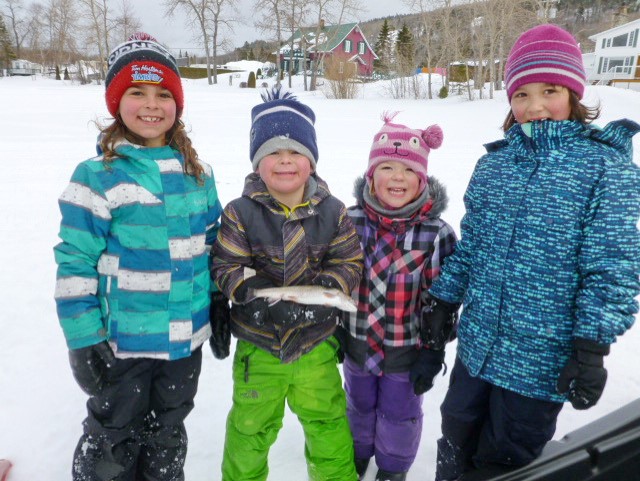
220, 320
584, 375
284, 312
255, 310
425, 368
438, 322
89, 365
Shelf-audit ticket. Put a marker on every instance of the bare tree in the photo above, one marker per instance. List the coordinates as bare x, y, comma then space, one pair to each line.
205, 17
60, 21
295, 12
17, 22
126, 23
272, 20
97, 14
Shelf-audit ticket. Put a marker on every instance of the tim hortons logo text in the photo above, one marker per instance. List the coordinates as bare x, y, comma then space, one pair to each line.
146, 73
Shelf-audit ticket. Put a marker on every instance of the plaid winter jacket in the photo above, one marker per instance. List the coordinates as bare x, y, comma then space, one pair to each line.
316, 238
549, 252
133, 261
402, 257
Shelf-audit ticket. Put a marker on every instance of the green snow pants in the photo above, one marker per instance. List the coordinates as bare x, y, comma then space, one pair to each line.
312, 387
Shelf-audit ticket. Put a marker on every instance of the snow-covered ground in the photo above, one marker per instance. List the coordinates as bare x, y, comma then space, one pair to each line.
47, 127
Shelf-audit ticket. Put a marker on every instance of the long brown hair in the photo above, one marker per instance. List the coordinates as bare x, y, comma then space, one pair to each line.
175, 137
579, 113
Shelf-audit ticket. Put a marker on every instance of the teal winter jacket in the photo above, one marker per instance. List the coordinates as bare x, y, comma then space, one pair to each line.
133, 261
549, 251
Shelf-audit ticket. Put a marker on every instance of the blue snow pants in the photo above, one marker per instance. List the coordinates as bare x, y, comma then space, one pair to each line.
484, 424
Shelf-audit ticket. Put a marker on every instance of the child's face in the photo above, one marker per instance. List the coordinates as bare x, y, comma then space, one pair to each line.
540, 101
149, 111
395, 184
285, 172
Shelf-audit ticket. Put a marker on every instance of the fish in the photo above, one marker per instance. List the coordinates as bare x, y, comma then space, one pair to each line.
308, 295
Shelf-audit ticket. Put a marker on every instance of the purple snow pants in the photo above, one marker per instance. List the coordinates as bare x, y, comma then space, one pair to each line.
385, 417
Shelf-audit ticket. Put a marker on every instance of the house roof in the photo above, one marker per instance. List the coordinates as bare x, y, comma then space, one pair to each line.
329, 37
623, 27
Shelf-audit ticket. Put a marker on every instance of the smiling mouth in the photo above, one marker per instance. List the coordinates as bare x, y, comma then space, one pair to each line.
151, 119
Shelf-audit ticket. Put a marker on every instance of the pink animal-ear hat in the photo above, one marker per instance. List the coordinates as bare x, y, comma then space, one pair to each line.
403, 144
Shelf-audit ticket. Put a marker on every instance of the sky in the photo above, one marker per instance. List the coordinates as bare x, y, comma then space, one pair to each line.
50, 128
173, 32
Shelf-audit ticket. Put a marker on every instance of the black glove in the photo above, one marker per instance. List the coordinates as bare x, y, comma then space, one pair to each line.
89, 365
220, 320
438, 322
255, 310
425, 368
341, 336
584, 375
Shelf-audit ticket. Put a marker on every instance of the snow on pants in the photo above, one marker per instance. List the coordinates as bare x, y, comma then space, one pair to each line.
483, 424
135, 430
385, 416
312, 388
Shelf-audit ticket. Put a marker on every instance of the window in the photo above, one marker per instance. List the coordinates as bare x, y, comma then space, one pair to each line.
620, 40
361, 48
608, 42
347, 46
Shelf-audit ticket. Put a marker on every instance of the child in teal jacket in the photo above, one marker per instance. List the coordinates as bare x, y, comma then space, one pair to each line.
133, 286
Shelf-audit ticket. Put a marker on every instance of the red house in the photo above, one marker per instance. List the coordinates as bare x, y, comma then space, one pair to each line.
314, 45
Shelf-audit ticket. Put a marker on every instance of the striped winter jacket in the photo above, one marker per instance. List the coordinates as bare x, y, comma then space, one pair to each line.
316, 238
133, 261
396, 279
549, 252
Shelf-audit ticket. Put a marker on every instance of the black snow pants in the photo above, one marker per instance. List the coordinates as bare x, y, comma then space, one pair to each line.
135, 430
483, 424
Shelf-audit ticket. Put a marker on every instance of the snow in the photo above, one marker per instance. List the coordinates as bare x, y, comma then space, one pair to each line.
48, 126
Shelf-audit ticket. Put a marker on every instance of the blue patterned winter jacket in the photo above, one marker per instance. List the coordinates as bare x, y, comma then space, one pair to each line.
549, 252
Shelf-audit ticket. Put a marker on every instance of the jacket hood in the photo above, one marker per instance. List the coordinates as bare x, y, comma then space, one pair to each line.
434, 191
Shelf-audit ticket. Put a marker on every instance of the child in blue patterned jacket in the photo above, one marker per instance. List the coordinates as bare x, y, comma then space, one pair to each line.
547, 265
133, 287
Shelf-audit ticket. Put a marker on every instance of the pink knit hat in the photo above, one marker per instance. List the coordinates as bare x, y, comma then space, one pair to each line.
548, 54
403, 144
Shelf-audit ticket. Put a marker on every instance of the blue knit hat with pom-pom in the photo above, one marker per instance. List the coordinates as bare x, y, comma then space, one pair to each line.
281, 121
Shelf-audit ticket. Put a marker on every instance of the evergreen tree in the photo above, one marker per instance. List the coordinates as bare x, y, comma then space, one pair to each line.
383, 49
251, 83
6, 49
405, 49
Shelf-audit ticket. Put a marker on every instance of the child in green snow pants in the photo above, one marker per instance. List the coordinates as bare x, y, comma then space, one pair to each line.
312, 387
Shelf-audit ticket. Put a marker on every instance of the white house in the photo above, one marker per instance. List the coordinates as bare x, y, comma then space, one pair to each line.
24, 67
617, 55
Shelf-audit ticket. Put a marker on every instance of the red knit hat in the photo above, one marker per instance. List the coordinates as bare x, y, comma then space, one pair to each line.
141, 59
547, 54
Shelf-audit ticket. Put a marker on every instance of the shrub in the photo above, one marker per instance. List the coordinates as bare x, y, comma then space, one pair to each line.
251, 83
444, 92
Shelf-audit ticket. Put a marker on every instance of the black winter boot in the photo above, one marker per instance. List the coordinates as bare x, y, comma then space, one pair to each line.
361, 467
383, 475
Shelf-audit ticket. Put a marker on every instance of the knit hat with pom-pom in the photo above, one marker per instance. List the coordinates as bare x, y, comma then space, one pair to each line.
281, 121
141, 60
403, 144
